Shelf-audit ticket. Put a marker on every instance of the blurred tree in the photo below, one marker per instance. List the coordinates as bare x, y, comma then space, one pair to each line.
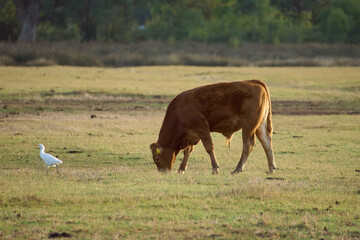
191, 25
28, 13
88, 24
9, 26
101, 20
351, 8
63, 15
231, 21
335, 24
115, 19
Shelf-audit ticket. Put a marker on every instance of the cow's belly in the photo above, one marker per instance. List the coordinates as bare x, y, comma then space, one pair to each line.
226, 126
190, 138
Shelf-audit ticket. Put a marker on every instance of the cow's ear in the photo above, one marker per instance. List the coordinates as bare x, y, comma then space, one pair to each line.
152, 146
156, 148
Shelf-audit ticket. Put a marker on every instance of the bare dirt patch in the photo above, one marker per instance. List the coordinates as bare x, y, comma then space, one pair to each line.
83, 103
130, 103
311, 108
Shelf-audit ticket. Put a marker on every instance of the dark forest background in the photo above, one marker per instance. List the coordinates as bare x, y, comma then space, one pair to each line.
226, 21
118, 33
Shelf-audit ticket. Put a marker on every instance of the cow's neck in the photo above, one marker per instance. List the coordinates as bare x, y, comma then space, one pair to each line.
169, 132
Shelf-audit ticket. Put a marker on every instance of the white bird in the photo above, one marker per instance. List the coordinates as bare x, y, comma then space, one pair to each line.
49, 159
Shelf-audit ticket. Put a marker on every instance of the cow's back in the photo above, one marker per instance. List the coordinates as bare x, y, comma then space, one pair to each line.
221, 105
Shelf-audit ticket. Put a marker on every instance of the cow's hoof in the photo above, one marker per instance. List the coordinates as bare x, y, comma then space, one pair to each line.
215, 171
181, 171
271, 170
236, 172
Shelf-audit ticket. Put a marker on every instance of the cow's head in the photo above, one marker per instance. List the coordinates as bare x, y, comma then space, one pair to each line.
164, 158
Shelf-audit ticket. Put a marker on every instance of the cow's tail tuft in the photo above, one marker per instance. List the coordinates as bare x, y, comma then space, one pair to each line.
228, 141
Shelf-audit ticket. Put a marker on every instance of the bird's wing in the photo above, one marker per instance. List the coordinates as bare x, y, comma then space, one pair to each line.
50, 159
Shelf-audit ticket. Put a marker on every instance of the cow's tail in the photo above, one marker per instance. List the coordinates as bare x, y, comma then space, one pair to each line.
228, 141
269, 122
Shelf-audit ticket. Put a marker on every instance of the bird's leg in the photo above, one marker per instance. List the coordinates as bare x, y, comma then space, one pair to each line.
47, 170
57, 169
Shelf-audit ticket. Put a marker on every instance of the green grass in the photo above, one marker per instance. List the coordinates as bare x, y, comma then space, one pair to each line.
111, 189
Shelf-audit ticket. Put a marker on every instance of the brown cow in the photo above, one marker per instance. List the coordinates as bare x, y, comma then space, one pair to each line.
222, 107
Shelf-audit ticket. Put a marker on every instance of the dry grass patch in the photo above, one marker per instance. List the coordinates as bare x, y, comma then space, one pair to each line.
188, 53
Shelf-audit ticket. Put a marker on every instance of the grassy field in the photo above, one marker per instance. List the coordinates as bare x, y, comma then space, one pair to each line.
101, 121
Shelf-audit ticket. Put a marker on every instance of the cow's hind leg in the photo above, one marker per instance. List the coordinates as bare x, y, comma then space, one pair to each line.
184, 162
265, 138
248, 143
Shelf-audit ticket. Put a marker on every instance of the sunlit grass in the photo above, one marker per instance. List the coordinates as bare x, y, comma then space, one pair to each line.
110, 187
306, 83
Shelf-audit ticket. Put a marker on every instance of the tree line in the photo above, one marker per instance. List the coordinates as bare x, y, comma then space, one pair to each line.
229, 21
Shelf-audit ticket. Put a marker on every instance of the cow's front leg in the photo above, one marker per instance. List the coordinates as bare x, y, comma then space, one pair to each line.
184, 162
209, 147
